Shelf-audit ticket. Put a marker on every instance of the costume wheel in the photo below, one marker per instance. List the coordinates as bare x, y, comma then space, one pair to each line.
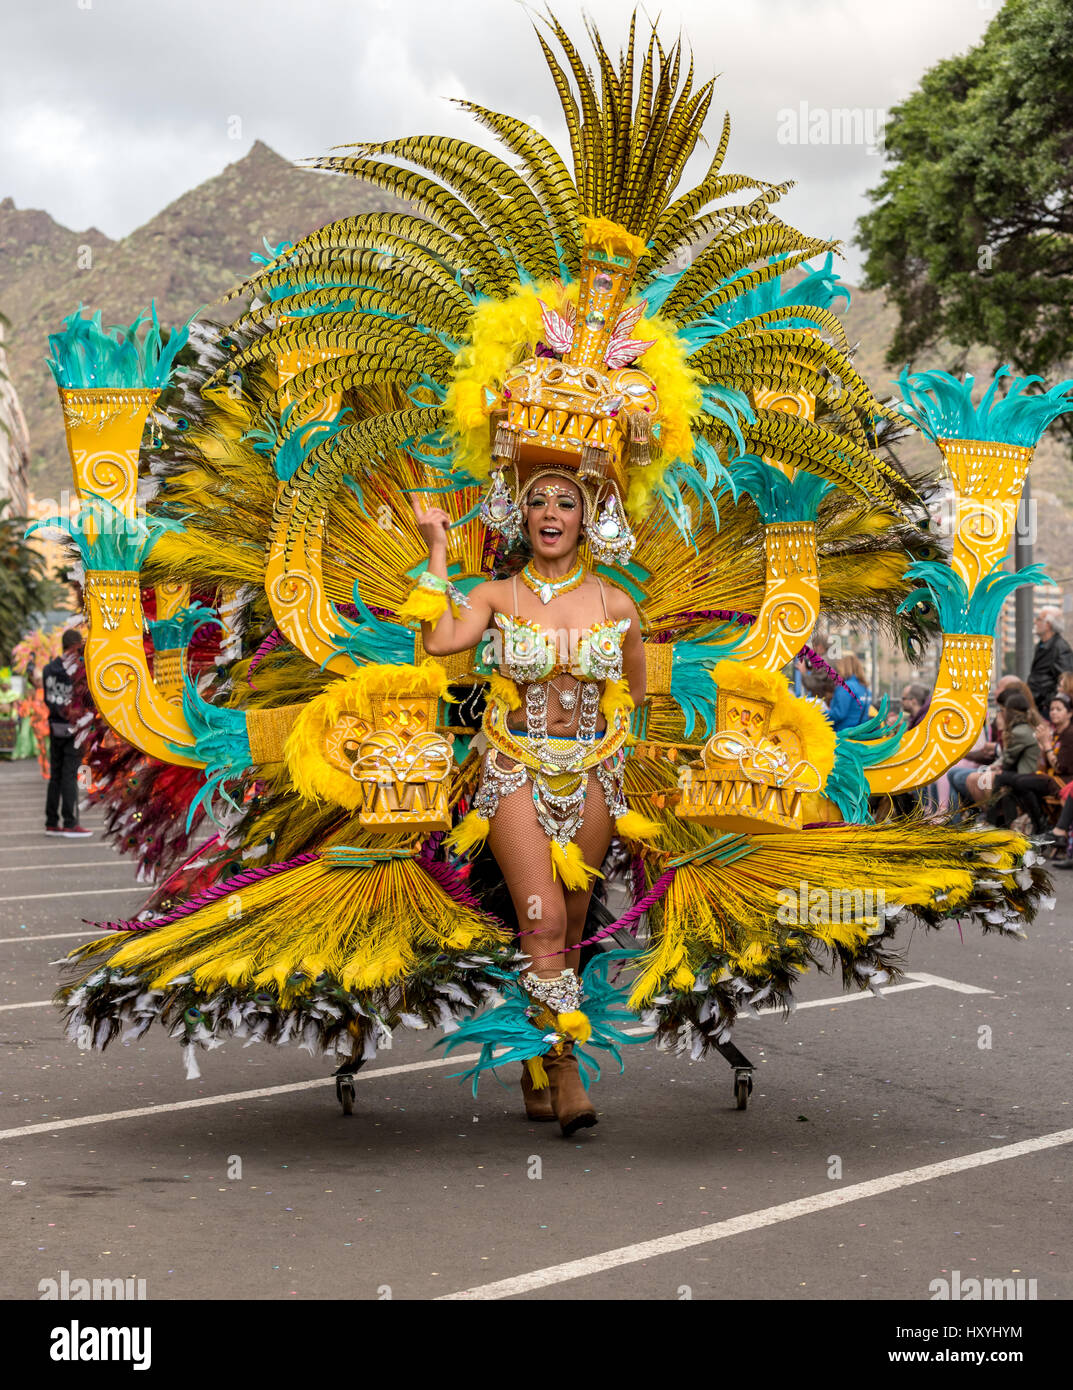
344, 1084
344, 1091
743, 1085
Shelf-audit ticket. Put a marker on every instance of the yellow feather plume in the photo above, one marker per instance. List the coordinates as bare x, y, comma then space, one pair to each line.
569, 866
575, 1025
423, 606
469, 834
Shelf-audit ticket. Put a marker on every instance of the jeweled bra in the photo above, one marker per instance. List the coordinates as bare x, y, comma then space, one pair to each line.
532, 654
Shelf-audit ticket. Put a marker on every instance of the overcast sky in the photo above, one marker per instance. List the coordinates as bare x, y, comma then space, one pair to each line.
110, 109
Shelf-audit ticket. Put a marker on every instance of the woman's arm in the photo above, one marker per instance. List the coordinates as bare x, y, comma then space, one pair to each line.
449, 634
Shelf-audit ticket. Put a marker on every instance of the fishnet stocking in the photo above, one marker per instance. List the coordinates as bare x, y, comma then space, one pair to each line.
551, 920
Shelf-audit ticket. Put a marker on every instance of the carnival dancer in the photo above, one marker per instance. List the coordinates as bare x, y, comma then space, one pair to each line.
551, 783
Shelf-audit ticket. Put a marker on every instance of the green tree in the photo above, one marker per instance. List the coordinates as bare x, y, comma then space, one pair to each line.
25, 591
971, 234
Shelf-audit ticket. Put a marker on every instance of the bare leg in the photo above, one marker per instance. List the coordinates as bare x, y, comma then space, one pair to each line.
593, 838
520, 846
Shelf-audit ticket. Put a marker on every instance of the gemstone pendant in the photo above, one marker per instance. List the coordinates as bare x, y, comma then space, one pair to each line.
546, 593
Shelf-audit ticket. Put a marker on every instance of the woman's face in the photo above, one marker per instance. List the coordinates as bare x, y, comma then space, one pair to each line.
553, 519
1059, 715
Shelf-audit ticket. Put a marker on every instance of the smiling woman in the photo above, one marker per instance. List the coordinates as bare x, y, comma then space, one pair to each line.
571, 668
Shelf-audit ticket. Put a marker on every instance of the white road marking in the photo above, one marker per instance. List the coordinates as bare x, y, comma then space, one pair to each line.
923, 983
144, 888
81, 864
260, 1094
23, 849
754, 1220
40, 834
51, 936
947, 984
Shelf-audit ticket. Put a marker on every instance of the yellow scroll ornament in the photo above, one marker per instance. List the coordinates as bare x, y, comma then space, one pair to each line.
118, 673
104, 429
791, 602
952, 724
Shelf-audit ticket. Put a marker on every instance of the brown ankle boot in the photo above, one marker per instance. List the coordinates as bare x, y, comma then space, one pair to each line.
573, 1109
537, 1103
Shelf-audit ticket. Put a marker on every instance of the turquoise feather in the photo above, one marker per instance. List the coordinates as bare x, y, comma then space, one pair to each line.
506, 1034
88, 354
692, 686
959, 611
170, 633
119, 542
221, 741
779, 498
856, 749
941, 406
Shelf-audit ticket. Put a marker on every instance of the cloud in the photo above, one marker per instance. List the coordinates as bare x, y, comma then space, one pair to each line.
110, 109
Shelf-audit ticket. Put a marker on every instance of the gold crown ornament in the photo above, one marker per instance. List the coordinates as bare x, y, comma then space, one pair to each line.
580, 405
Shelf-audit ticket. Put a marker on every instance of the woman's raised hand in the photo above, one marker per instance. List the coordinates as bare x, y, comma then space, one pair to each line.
433, 523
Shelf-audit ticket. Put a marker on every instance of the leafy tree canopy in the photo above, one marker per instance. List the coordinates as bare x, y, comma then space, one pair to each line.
971, 234
25, 591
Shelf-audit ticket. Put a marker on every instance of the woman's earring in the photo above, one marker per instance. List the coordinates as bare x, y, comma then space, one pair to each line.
609, 535
500, 511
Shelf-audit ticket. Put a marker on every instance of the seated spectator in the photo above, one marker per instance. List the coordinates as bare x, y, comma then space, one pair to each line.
1020, 756
1055, 778
915, 702
803, 666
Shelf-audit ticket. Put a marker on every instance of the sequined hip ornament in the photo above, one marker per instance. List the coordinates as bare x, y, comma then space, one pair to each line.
556, 768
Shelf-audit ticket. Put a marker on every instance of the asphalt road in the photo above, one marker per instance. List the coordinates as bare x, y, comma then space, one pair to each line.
883, 1148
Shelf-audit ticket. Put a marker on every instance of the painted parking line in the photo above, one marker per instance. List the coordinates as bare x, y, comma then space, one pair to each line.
260, 1094
754, 1220
143, 888
40, 834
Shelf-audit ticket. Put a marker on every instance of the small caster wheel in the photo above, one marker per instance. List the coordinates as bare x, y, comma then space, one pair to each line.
743, 1084
344, 1091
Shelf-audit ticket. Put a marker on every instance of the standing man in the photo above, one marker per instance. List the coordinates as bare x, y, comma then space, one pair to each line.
1052, 657
64, 757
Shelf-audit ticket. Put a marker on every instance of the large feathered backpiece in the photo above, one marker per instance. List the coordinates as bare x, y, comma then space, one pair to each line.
672, 347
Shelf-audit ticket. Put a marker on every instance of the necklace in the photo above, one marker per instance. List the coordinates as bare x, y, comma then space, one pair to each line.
546, 589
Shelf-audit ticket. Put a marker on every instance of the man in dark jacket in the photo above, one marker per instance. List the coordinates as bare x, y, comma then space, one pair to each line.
59, 678
1053, 656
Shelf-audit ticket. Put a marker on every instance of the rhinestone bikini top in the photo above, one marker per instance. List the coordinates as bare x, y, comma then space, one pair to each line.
529, 653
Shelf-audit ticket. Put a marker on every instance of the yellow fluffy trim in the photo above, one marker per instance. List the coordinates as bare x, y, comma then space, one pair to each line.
502, 332
470, 833
634, 826
504, 692
537, 1075
310, 771
802, 717
678, 386
423, 606
569, 866
611, 237
575, 1025
616, 697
